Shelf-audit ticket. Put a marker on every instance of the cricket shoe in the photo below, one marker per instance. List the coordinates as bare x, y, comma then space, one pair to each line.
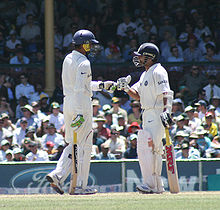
54, 183
144, 189
87, 191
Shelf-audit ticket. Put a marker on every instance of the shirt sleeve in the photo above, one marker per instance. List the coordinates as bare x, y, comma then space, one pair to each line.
161, 81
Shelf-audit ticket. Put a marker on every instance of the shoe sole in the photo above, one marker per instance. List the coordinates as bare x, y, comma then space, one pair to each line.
144, 192
55, 187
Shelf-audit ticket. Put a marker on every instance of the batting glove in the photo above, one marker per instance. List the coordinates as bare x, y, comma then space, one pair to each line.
166, 119
77, 122
122, 83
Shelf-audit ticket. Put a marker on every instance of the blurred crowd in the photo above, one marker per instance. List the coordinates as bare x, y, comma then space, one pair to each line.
31, 123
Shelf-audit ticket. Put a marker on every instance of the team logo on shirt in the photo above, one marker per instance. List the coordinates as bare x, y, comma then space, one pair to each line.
146, 83
163, 81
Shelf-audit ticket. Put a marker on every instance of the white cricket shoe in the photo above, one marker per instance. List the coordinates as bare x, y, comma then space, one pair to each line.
144, 189
87, 191
54, 183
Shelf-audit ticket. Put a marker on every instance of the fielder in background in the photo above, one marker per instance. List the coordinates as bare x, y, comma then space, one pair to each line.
155, 96
78, 86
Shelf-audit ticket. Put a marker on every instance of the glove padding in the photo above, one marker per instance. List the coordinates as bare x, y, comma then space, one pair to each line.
122, 83
166, 119
110, 86
77, 122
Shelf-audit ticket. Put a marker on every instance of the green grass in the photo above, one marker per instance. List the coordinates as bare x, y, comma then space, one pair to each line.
114, 201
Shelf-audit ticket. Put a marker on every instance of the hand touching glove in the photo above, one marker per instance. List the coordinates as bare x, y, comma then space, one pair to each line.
77, 122
166, 119
122, 83
110, 86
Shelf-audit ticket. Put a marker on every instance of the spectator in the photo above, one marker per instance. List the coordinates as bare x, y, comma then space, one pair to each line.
7, 124
123, 126
177, 107
5, 145
44, 106
22, 15
208, 125
215, 101
18, 156
192, 52
58, 38
5, 107
202, 108
43, 127
133, 128
108, 117
19, 132
22, 101
25, 146
200, 29
211, 89
52, 136
206, 39
135, 116
203, 141
124, 100
58, 93
36, 154
56, 117
180, 136
116, 142
24, 88
3, 132
9, 155
3, 89
194, 122
49, 148
130, 34
38, 92
19, 58
31, 133
105, 153
3, 57
187, 152
179, 126
28, 114
116, 110
193, 81
165, 26
102, 131
58, 152
175, 57
30, 35
38, 115
113, 52
11, 43
131, 152
129, 49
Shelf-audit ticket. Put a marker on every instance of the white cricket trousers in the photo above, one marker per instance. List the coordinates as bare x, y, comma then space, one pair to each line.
84, 144
151, 160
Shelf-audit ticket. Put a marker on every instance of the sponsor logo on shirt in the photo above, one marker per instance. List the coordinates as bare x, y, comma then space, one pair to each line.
163, 81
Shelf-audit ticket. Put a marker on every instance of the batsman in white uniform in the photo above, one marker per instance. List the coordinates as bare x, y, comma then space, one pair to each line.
78, 86
155, 96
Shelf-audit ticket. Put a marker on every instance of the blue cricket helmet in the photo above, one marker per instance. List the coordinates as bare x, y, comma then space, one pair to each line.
84, 37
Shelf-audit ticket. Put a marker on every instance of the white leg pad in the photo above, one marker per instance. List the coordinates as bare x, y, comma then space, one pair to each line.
145, 155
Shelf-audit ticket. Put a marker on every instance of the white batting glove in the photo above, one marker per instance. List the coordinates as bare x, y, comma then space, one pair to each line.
122, 83
110, 86
77, 122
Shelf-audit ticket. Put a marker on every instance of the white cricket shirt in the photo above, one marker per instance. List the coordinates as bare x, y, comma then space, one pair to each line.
151, 86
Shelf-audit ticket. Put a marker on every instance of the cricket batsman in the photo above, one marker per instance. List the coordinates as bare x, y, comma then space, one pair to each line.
153, 91
77, 87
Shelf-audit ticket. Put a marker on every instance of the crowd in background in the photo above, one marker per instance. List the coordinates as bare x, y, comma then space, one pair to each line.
31, 122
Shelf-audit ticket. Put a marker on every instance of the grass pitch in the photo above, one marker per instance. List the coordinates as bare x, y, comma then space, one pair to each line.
114, 201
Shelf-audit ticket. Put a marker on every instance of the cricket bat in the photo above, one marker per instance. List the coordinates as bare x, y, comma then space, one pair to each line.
172, 173
74, 171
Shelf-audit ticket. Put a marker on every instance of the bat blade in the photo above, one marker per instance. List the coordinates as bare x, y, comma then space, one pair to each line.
74, 172
172, 173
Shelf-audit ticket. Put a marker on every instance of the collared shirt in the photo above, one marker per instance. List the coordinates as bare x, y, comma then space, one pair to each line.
58, 120
39, 156
18, 135
56, 138
77, 84
151, 86
24, 90
208, 88
118, 145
